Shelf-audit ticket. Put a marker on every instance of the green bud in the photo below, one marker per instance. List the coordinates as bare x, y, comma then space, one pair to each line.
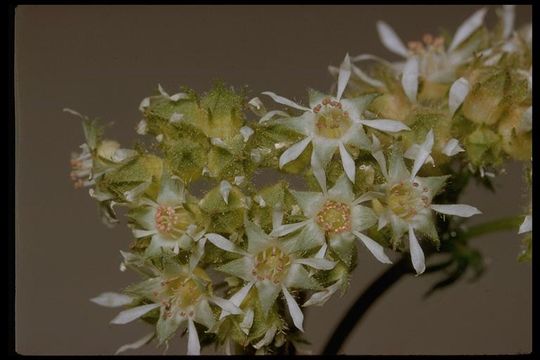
390, 106
221, 216
483, 147
483, 104
515, 142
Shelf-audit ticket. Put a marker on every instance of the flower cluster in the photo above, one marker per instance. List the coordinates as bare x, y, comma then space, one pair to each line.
235, 266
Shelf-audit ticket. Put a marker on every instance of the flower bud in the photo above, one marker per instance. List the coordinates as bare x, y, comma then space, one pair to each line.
483, 147
390, 106
516, 141
483, 105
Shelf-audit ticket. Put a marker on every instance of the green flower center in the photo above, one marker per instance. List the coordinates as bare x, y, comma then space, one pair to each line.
183, 292
170, 221
405, 200
334, 217
331, 121
271, 264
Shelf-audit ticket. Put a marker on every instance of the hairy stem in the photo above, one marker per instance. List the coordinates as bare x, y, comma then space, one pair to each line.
391, 276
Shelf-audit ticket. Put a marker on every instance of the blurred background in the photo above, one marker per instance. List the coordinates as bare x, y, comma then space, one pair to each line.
102, 60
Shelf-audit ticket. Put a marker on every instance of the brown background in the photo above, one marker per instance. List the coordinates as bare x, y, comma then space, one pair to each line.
102, 60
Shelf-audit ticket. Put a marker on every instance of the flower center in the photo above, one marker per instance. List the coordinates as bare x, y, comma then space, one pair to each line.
331, 121
405, 200
428, 43
271, 264
334, 217
432, 55
171, 221
181, 293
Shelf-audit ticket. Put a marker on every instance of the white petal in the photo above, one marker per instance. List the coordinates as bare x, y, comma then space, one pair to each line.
194, 347
277, 217
386, 125
409, 79
370, 195
452, 148
219, 143
273, 113
72, 112
293, 152
287, 229
162, 92
458, 92
417, 254
526, 120
130, 195
143, 233
123, 154
379, 155
135, 345
259, 200
224, 190
375, 248
347, 162
390, 39
508, 17
322, 251
366, 78
144, 104
223, 243
285, 101
176, 117
226, 305
526, 225
294, 309
467, 28
129, 315
237, 298
412, 153
159, 138
257, 106
111, 299
267, 339
318, 171
238, 180
456, 209
343, 77
197, 254
317, 263
178, 96
247, 322
364, 57
382, 222
423, 153
319, 298
142, 127
246, 132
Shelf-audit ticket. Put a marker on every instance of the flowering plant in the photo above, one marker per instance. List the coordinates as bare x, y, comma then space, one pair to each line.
384, 157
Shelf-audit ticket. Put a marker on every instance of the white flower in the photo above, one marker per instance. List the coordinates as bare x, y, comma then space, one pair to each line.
329, 124
430, 61
272, 266
182, 295
334, 215
408, 198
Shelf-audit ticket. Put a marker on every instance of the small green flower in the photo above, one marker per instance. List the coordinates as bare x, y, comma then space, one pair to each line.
336, 216
405, 200
273, 265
